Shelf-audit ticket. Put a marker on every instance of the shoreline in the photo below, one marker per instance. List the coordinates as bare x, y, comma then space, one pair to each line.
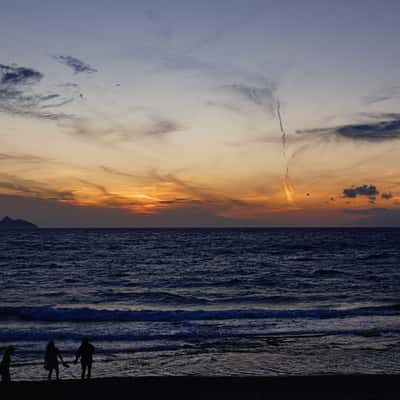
379, 387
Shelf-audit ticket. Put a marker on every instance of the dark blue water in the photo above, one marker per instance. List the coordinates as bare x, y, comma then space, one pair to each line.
204, 301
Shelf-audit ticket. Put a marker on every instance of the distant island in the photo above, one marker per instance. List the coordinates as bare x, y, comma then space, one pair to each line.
8, 223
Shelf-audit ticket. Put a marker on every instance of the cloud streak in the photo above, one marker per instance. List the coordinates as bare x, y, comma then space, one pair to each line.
386, 94
25, 158
78, 66
387, 128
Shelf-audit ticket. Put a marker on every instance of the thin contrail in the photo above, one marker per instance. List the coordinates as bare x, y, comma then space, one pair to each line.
287, 185
284, 135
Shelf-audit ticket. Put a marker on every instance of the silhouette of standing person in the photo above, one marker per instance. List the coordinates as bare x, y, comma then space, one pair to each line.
85, 353
5, 365
51, 359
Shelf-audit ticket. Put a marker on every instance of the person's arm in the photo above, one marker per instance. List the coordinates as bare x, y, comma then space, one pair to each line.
78, 354
60, 356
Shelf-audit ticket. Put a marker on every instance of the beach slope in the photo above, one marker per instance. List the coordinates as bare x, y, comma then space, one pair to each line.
346, 387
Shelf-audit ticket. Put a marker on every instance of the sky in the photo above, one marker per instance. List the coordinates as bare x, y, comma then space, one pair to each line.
212, 113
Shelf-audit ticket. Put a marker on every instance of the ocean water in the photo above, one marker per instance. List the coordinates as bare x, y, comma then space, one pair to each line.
204, 301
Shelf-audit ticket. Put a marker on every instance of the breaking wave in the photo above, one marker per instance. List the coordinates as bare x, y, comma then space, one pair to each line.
54, 314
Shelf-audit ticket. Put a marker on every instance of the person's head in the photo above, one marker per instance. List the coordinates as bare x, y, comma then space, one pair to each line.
85, 340
10, 350
50, 344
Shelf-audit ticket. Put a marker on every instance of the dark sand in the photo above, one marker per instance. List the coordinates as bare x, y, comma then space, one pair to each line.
366, 387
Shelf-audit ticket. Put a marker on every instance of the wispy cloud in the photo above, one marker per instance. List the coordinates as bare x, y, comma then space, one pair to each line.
385, 94
261, 96
178, 192
77, 65
28, 158
154, 126
161, 126
15, 185
114, 171
224, 105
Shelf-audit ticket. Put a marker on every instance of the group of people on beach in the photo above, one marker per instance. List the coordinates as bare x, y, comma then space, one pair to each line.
51, 360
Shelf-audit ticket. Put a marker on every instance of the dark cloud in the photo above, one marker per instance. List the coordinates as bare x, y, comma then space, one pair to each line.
375, 216
386, 128
17, 96
173, 201
78, 66
364, 190
13, 75
386, 196
366, 211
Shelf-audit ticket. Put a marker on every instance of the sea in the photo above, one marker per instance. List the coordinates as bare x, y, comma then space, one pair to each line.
210, 302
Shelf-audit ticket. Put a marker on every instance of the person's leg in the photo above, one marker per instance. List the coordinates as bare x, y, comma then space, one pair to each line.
89, 370
83, 370
50, 373
57, 372
5, 377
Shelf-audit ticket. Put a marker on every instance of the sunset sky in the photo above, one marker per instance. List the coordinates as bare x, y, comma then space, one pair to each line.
200, 113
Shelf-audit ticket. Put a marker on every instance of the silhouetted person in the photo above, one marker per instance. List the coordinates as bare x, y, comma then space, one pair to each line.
85, 353
5, 365
51, 359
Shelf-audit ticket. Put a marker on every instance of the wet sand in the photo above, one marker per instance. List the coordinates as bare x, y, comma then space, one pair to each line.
346, 387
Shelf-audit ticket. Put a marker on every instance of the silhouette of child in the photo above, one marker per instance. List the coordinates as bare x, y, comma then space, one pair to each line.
51, 359
5, 365
85, 353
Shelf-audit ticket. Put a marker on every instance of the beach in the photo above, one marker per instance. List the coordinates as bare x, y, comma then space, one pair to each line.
346, 387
